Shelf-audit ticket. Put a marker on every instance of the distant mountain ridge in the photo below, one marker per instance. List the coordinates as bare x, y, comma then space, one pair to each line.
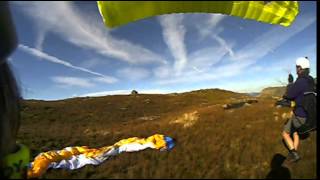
277, 91
273, 91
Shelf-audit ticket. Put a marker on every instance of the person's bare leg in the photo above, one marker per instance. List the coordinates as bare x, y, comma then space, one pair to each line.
295, 140
288, 140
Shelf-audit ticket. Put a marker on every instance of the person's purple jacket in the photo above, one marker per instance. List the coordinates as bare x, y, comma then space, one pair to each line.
295, 92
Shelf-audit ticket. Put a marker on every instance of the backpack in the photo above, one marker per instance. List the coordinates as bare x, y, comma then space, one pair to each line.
309, 104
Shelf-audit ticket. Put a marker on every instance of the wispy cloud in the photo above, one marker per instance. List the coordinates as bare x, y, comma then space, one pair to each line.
204, 59
107, 80
93, 62
174, 32
163, 71
64, 81
40, 38
286, 63
84, 31
67, 81
248, 55
273, 39
133, 73
210, 25
210, 28
223, 43
218, 72
56, 60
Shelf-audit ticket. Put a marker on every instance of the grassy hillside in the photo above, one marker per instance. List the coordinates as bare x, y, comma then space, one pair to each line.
212, 142
273, 92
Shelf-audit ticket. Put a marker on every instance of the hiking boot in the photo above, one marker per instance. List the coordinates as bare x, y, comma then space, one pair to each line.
293, 156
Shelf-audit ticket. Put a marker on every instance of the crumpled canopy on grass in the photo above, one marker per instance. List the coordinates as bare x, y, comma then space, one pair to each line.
77, 157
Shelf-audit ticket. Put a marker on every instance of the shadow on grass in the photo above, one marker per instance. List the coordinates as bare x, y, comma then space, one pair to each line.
278, 171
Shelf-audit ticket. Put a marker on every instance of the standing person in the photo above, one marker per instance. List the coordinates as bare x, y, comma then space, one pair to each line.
296, 93
13, 156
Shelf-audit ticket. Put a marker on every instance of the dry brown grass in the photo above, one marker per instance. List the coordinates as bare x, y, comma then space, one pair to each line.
237, 143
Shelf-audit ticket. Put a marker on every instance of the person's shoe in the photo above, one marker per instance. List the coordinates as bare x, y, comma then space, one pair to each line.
293, 156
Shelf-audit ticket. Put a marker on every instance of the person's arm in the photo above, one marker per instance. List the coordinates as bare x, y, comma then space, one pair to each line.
290, 83
296, 89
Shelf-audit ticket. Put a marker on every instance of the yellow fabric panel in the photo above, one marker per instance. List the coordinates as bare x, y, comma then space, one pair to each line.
90, 153
158, 140
117, 13
41, 162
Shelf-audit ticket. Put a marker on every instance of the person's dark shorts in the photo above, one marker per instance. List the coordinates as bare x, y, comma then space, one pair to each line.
293, 124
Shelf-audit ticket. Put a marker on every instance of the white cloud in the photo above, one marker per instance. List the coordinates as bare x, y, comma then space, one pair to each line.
286, 63
162, 71
91, 63
204, 59
40, 38
246, 56
56, 60
199, 61
67, 81
107, 80
196, 69
209, 28
274, 38
133, 73
174, 34
84, 31
64, 81
224, 44
210, 25
219, 72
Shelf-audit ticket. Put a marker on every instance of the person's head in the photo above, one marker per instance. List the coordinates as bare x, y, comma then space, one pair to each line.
303, 66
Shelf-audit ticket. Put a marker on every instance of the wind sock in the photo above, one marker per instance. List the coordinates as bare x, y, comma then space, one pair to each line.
77, 157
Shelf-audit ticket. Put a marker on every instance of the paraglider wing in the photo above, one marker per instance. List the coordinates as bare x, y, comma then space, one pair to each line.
116, 13
78, 156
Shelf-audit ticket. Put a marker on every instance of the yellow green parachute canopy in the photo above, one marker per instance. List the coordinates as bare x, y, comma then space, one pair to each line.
117, 13
78, 156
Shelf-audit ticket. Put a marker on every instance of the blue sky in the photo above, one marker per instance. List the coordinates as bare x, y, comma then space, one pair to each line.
65, 51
